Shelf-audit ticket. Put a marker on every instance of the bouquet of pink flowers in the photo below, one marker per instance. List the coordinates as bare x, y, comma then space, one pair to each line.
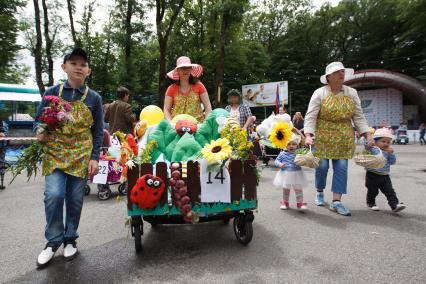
55, 115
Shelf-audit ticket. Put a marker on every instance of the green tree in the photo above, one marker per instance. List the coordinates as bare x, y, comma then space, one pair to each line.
411, 45
9, 27
269, 19
166, 15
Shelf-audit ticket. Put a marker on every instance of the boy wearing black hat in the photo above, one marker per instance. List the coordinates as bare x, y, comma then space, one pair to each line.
70, 156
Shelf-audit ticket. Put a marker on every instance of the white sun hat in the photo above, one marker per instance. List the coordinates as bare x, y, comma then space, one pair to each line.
184, 61
333, 67
383, 133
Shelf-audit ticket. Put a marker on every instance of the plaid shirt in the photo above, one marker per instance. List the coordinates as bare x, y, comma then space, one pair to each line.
244, 111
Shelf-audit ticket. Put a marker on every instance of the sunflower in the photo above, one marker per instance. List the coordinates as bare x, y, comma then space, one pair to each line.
217, 151
281, 135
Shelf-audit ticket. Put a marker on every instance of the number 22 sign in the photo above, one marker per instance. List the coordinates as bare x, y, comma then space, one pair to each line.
101, 177
215, 186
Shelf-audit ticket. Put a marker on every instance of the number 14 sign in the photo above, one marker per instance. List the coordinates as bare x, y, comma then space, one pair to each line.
215, 186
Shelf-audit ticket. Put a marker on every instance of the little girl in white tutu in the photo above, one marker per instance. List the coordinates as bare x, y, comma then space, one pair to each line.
290, 176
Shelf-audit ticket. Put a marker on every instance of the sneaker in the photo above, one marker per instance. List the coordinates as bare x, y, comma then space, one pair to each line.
319, 199
284, 205
373, 207
399, 207
338, 207
45, 256
302, 206
70, 250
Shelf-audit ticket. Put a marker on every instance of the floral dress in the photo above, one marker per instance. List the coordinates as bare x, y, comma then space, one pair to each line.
188, 104
334, 137
72, 145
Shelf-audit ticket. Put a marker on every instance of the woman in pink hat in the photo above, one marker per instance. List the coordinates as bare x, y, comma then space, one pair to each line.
187, 93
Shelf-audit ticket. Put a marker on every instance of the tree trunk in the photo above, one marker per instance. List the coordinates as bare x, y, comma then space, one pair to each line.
73, 32
128, 44
48, 44
202, 35
37, 49
163, 37
220, 67
162, 72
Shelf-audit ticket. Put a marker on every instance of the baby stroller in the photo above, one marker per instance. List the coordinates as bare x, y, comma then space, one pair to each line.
113, 171
401, 137
269, 151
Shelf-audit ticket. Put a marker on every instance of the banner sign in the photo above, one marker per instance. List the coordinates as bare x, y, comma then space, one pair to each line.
265, 94
382, 106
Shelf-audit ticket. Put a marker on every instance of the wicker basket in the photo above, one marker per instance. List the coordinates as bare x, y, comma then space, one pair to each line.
370, 161
307, 160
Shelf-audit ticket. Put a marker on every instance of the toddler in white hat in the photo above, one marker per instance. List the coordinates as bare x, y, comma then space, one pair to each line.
379, 179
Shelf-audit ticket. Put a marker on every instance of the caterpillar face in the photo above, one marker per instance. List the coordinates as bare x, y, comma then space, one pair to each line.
183, 126
147, 191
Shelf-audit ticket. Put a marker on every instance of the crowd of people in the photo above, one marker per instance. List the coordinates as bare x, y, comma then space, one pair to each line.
72, 155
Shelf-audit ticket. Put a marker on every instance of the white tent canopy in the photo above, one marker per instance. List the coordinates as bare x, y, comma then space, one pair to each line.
19, 93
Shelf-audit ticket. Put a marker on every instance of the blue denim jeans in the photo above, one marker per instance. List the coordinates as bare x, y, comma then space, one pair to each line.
340, 175
60, 188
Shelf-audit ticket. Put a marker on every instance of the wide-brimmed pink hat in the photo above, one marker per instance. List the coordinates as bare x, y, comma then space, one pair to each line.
184, 61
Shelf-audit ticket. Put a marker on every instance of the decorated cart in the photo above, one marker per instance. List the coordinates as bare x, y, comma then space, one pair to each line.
241, 179
185, 172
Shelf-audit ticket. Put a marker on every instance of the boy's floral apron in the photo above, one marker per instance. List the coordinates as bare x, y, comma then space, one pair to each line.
334, 136
72, 145
188, 104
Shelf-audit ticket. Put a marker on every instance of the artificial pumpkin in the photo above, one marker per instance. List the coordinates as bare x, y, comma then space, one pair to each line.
147, 191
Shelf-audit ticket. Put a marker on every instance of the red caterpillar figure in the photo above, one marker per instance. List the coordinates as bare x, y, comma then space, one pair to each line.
183, 126
147, 191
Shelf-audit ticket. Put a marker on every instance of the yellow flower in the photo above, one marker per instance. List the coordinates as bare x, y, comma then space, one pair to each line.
217, 151
281, 135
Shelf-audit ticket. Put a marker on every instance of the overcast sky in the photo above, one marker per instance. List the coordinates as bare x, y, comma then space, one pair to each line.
99, 17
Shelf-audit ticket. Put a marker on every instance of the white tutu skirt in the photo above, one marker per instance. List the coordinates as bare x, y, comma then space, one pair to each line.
290, 179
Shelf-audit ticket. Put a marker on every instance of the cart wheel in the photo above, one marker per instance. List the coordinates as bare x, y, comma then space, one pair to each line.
86, 189
243, 230
122, 189
138, 238
137, 231
102, 186
104, 194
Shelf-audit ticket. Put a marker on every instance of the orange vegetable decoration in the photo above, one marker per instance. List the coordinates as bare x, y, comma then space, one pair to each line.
132, 144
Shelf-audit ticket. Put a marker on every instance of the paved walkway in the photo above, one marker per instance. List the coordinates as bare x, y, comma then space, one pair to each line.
288, 247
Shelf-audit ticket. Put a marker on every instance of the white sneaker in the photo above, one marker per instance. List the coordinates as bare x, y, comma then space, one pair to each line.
45, 257
70, 251
374, 208
399, 207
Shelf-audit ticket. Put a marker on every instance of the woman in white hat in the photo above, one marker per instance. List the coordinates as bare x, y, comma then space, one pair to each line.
187, 93
333, 111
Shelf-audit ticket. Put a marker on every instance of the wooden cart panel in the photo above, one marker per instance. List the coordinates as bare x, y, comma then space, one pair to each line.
243, 189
